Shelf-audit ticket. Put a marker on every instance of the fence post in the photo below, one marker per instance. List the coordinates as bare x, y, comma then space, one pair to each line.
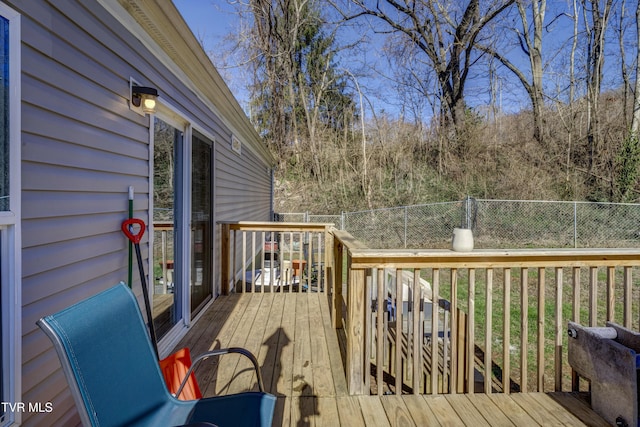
466, 212
575, 224
406, 218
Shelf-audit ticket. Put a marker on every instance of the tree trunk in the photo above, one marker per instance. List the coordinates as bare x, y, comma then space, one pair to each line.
635, 121
599, 19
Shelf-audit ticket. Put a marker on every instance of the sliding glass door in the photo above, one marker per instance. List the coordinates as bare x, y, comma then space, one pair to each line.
201, 222
167, 215
183, 223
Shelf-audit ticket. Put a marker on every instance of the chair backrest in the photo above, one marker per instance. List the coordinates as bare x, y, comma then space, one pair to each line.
105, 351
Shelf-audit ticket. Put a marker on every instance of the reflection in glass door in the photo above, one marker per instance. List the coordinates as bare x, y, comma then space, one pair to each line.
167, 214
201, 223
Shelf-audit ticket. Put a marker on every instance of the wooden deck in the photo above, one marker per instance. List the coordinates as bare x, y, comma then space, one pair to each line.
298, 351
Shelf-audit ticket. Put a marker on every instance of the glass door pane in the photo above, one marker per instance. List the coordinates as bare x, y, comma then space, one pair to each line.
201, 223
4, 115
167, 213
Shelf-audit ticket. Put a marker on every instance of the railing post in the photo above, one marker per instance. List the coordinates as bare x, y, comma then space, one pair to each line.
356, 367
336, 276
224, 259
327, 271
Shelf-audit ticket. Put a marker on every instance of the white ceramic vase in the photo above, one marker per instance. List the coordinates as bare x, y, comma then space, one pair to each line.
462, 240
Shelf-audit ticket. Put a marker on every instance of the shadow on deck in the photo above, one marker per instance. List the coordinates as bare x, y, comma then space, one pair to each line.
301, 361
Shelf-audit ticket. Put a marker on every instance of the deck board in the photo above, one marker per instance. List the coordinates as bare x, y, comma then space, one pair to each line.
515, 412
466, 410
533, 407
298, 351
373, 411
420, 412
333, 349
322, 382
397, 412
302, 367
283, 374
490, 412
555, 409
443, 411
350, 412
268, 354
327, 407
229, 366
255, 333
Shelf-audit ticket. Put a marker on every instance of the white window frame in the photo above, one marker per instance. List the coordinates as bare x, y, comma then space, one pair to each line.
169, 114
10, 235
173, 116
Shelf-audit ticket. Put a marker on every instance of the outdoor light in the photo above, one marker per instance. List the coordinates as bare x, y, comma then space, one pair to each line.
144, 97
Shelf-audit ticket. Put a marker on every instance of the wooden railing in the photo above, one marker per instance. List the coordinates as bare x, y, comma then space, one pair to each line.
508, 312
275, 257
438, 321
163, 255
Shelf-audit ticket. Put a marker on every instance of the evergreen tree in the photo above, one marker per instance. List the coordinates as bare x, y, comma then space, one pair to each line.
298, 93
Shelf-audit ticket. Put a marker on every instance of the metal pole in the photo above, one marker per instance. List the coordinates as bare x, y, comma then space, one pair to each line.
575, 224
130, 271
405, 227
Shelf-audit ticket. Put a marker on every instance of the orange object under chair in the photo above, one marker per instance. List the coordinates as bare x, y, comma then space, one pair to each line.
174, 370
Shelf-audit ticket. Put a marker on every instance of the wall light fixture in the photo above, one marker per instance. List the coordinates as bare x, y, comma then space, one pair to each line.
145, 97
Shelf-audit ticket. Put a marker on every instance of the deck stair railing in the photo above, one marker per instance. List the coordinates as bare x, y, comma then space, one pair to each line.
498, 324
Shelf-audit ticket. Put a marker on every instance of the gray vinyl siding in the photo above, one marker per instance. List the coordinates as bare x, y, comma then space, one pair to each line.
243, 193
243, 190
81, 149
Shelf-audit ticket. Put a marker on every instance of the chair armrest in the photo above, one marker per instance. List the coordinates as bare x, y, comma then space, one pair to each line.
220, 352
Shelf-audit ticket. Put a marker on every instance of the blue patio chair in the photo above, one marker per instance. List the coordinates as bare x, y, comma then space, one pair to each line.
113, 373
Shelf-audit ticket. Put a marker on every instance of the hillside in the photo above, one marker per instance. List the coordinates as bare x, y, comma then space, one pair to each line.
408, 164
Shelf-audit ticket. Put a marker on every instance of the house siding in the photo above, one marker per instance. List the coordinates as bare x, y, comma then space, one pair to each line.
81, 149
243, 192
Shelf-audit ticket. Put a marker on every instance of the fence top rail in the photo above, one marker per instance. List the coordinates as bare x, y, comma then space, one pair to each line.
277, 226
362, 258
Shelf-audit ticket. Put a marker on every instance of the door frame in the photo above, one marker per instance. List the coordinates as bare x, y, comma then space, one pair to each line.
173, 117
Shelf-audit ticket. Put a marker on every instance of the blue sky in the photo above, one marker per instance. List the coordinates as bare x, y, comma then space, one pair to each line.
209, 20
212, 20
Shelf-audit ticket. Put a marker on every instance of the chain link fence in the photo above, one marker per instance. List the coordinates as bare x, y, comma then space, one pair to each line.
496, 224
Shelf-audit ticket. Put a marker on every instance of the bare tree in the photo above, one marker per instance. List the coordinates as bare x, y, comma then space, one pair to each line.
296, 89
572, 84
595, 29
531, 44
627, 161
635, 120
621, 30
446, 32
